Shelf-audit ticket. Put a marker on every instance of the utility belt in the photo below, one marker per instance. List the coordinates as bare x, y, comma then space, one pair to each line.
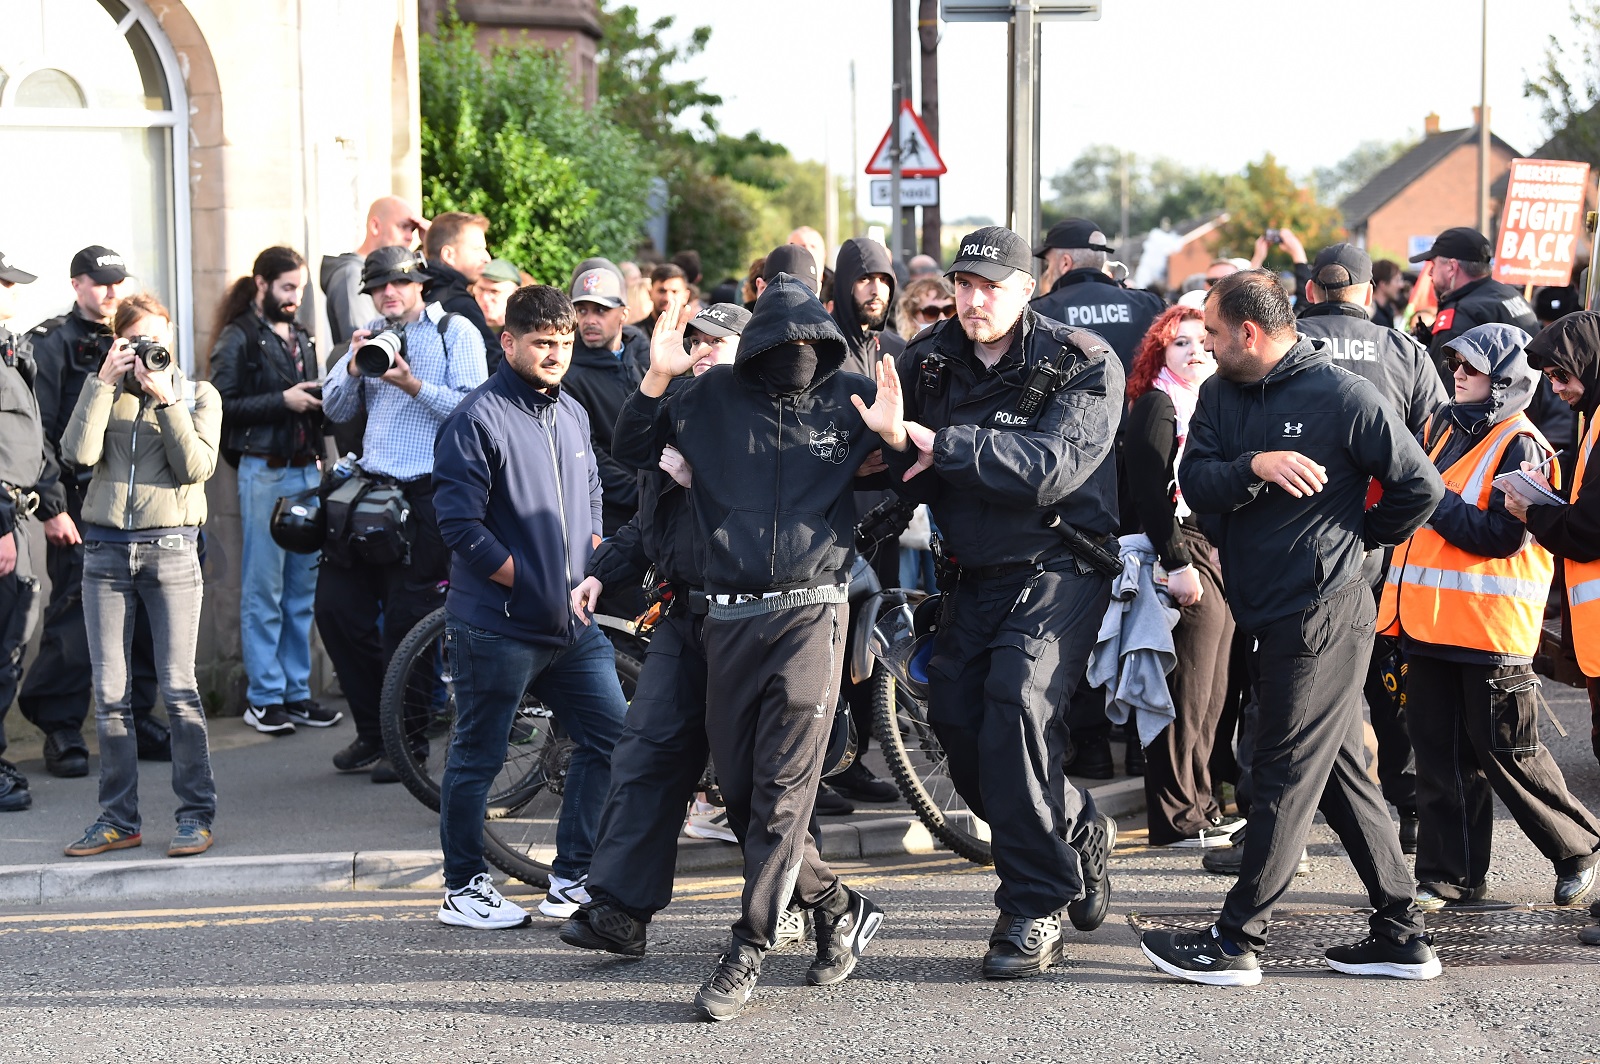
742, 605
369, 518
1085, 555
674, 598
25, 500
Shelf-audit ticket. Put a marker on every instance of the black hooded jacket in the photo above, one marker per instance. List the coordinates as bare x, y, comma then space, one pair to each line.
992, 479
1280, 554
1572, 344
1088, 299
1399, 366
865, 347
773, 474
602, 382
448, 287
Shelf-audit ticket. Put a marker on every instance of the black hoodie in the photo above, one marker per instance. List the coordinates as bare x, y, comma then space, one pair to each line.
857, 258
773, 474
1280, 554
602, 381
448, 287
1572, 344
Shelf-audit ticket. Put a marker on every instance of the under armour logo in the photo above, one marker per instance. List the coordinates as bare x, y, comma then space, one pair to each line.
1293, 428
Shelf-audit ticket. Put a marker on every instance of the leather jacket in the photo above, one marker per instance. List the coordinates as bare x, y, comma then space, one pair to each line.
251, 370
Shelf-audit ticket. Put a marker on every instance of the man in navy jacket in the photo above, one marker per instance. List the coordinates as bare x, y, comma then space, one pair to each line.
518, 502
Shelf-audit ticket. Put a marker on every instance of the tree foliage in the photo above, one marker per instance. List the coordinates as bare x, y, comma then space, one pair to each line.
1567, 87
506, 137
1334, 183
1266, 197
1159, 190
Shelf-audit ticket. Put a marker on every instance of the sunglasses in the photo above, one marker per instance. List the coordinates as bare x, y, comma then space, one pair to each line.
1455, 362
935, 311
1560, 376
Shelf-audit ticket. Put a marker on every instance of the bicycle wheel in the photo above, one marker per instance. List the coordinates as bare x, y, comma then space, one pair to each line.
519, 832
417, 708
921, 769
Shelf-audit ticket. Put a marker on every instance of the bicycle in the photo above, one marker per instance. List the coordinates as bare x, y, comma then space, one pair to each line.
417, 714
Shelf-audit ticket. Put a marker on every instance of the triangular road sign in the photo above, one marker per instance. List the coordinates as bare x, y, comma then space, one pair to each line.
919, 155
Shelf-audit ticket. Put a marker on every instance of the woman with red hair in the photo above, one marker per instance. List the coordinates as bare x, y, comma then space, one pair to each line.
1163, 387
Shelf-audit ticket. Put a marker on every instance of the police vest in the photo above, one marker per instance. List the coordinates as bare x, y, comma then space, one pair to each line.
1440, 594
1583, 580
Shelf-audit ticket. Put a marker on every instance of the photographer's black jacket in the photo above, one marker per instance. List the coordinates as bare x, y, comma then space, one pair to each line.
448, 287
1281, 554
251, 370
1399, 366
991, 482
1088, 299
66, 350
773, 474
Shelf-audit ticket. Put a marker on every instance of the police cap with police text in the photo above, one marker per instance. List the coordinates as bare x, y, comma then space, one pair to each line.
102, 265
992, 253
11, 275
721, 319
598, 285
795, 261
1339, 265
390, 264
1074, 233
1463, 243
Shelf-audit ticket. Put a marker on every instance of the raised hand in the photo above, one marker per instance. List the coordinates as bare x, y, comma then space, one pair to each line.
668, 357
886, 415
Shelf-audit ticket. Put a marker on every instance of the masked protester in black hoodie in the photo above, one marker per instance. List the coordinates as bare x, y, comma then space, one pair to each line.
1568, 353
774, 444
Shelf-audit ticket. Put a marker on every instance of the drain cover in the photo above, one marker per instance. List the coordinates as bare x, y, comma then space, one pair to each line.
1479, 936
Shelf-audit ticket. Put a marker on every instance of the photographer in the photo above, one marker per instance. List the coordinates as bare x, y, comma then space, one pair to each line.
433, 359
151, 437
55, 696
264, 366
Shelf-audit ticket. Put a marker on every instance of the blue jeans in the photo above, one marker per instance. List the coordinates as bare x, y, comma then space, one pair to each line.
165, 577
276, 588
579, 684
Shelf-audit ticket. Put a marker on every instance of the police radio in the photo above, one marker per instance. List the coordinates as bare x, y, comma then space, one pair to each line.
1044, 378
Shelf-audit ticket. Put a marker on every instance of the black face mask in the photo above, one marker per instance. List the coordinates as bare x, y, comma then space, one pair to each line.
788, 368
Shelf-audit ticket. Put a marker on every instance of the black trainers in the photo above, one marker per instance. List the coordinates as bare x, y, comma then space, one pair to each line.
859, 784
154, 739
1092, 761
312, 714
1570, 890
14, 774
384, 772
602, 925
1377, 955
1198, 956
731, 986
1094, 857
358, 756
65, 754
831, 803
269, 720
1020, 948
1409, 827
842, 937
1227, 862
14, 797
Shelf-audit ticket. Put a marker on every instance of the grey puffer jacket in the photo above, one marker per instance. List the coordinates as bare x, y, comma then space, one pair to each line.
151, 463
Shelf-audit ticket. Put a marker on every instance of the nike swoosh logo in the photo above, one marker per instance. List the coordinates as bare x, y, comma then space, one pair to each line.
850, 936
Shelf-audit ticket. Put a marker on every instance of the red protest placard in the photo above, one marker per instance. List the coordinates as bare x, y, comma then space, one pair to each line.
1539, 225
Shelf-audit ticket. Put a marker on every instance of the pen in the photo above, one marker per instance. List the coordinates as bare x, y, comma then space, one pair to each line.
1547, 461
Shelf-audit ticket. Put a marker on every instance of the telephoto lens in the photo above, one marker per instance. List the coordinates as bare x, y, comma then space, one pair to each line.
154, 356
376, 355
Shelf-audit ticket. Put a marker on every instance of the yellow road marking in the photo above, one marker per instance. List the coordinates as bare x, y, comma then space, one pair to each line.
214, 910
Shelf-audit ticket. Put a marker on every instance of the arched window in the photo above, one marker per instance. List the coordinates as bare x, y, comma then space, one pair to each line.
94, 123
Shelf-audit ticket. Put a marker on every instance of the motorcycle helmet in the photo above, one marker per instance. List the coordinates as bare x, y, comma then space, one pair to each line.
299, 523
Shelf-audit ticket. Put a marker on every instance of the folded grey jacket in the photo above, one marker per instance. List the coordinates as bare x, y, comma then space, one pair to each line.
1134, 652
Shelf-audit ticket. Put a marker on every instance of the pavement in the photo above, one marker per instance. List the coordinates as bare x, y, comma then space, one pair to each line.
288, 822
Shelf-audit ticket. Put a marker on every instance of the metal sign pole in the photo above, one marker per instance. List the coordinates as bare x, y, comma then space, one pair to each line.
1022, 191
901, 24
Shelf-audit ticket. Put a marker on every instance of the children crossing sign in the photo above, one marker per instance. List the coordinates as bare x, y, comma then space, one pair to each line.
919, 155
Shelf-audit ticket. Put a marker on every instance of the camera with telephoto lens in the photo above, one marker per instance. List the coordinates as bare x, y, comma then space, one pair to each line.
377, 353
151, 352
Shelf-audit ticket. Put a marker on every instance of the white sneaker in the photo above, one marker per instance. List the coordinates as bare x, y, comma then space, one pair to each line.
564, 897
707, 821
479, 905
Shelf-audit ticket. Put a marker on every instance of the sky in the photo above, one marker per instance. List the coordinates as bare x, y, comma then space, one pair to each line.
1212, 83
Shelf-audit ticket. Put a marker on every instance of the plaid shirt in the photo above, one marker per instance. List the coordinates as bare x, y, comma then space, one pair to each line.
400, 428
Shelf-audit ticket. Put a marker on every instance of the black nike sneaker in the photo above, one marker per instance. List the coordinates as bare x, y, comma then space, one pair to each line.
842, 937
732, 985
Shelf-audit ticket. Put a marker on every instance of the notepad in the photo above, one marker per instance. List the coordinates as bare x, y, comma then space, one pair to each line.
1524, 487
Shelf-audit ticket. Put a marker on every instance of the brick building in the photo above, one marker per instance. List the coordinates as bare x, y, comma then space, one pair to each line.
569, 26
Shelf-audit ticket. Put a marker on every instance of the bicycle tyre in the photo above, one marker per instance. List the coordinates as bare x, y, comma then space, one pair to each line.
411, 678
899, 716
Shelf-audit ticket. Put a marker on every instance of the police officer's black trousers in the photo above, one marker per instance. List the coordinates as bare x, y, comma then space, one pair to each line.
1476, 730
55, 695
654, 768
771, 689
1309, 752
1007, 656
20, 607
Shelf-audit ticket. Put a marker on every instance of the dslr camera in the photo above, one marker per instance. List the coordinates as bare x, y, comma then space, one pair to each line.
150, 351
377, 353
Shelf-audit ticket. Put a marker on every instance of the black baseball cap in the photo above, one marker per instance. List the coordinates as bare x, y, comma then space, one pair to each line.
1074, 233
393, 264
103, 265
795, 261
992, 253
11, 275
1463, 243
721, 319
1548, 303
1339, 265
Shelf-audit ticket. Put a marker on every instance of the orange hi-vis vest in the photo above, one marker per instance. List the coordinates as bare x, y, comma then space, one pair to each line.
1583, 580
1440, 594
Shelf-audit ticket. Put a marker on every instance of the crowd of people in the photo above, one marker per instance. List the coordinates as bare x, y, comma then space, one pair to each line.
1220, 519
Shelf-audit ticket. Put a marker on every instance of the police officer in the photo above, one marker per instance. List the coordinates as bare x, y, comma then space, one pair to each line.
1082, 296
25, 469
67, 350
1000, 419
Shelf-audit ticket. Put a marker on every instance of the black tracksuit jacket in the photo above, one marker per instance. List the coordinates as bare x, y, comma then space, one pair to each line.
602, 382
1399, 366
773, 474
1280, 554
992, 480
